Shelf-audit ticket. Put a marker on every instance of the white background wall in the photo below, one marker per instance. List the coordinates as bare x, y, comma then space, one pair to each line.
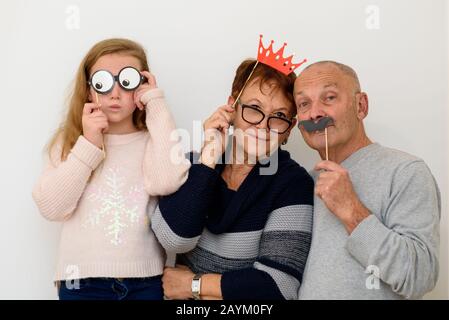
399, 48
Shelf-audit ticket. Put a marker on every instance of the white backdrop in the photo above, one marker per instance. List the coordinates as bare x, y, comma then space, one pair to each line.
399, 49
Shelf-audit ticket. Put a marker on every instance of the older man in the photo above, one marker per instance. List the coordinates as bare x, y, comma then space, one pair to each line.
377, 210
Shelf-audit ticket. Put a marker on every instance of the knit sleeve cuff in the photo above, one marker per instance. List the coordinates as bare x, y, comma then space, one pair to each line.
366, 238
87, 152
152, 95
201, 174
229, 285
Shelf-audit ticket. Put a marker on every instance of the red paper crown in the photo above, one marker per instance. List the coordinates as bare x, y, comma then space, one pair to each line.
276, 60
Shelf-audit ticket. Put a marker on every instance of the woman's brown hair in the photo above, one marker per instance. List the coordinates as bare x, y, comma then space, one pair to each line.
266, 75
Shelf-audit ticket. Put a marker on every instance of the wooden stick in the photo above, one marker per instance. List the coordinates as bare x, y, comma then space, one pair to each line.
99, 107
96, 98
327, 149
246, 82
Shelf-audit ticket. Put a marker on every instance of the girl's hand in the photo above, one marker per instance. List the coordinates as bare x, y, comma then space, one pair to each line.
216, 135
94, 123
177, 282
144, 88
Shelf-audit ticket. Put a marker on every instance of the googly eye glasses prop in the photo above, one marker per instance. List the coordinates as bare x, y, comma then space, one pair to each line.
275, 60
322, 124
102, 81
129, 78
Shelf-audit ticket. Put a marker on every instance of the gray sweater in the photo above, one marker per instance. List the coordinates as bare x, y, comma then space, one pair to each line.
392, 254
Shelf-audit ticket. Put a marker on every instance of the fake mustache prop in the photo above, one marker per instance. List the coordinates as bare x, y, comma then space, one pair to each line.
322, 124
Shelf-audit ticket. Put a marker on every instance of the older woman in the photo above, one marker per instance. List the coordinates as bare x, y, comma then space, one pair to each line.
240, 232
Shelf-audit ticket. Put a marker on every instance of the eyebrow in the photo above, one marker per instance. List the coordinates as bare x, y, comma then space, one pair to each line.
256, 100
285, 109
333, 84
280, 109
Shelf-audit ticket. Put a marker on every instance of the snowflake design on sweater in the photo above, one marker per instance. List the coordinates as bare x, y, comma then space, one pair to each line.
118, 206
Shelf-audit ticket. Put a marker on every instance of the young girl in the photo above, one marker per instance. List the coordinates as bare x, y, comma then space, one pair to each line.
109, 160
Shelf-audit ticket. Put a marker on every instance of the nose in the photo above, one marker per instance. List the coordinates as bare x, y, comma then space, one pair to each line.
263, 125
115, 92
316, 111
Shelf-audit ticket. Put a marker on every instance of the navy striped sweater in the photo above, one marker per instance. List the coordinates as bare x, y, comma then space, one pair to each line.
257, 237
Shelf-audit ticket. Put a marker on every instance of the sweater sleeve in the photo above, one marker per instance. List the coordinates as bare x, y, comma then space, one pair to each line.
180, 218
61, 185
403, 246
284, 248
165, 168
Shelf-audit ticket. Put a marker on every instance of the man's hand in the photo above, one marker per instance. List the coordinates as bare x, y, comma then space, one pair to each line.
177, 282
335, 188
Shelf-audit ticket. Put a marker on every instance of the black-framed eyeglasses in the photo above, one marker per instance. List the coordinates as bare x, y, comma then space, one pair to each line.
129, 78
253, 115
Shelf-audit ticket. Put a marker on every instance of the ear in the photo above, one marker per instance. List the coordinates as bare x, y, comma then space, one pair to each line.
294, 122
362, 106
231, 100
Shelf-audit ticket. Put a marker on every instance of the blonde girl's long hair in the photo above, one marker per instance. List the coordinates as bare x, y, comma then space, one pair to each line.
71, 128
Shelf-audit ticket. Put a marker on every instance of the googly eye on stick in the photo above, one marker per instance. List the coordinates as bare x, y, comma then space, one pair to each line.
322, 124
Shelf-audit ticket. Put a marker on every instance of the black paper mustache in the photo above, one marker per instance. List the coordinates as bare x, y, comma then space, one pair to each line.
311, 126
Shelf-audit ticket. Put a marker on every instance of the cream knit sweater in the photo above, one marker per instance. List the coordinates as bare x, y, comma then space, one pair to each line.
106, 230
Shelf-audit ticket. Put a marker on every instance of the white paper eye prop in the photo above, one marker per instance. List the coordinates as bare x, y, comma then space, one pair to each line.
129, 78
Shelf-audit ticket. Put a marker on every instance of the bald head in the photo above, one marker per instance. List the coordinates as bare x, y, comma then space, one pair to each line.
331, 89
347, 71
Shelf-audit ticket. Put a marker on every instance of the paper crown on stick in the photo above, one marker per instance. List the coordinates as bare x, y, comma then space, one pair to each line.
276, 59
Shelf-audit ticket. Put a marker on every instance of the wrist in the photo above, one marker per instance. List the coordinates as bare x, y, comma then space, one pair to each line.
208, 160
196, 286
359, 213
96, 141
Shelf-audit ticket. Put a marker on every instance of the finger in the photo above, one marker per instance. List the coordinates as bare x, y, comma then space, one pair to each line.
142, 90
104, 125
326, 176
222, 124
138, 103
228, 108
217, 123
183, 267
100, 120
225, 115
221, 114
89, 108
328, 166
151, 79
136, 98
140, 106
97, 113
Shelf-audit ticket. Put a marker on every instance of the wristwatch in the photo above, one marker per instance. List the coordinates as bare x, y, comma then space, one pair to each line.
196, 286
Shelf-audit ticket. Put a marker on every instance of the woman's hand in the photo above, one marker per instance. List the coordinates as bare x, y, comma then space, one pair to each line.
94, 122
216, 135
144, 88
177, 282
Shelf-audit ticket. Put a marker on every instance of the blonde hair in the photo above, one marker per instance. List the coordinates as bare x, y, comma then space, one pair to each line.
71, 128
